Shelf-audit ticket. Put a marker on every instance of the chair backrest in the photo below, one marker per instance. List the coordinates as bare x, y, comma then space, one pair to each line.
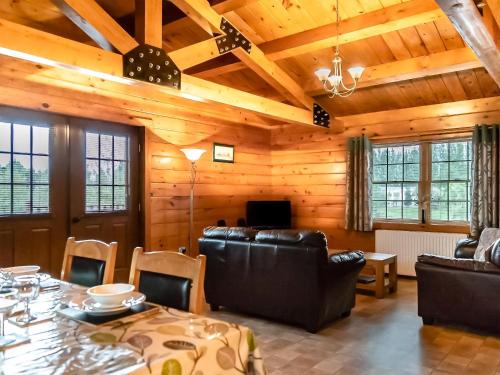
170, 278
89, 262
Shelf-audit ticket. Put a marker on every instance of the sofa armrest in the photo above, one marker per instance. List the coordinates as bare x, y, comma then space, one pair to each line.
459, 264
346, 260
466, 248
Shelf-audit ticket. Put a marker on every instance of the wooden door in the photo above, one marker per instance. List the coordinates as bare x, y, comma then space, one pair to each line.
33, 189
104, 186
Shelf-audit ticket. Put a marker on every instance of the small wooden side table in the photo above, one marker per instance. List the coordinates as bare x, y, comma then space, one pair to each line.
378, 262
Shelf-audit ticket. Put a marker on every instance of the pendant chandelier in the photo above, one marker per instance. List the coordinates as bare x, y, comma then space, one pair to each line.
332, 79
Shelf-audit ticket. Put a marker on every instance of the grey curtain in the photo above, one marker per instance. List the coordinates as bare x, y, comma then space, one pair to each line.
485, 178
358, 212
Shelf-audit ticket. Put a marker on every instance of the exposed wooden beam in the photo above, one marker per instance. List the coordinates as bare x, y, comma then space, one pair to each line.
195, 54
402, 70
204, 19
34, 45
494, 6
89, 16
392, 18
255, 60
468, 21
148, 22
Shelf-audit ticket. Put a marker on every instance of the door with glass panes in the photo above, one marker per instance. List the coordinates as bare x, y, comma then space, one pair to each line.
62, 177
33, 189
104, 183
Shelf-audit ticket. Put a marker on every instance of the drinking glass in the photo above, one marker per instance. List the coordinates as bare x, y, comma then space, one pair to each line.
8, 299
28, 288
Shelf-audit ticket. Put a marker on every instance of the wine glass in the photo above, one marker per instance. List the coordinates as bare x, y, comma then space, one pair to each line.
8, 299
28, 288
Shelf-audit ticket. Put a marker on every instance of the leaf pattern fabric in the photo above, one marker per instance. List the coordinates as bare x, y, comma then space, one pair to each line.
358, 213
485, 209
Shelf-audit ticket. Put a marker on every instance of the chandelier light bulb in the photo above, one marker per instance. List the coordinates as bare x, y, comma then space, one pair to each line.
356, 72
322, 73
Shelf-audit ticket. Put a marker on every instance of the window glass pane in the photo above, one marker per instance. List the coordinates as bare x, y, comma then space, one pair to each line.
106, 172
120, 172
395, 155
458, 151
394, 192
439, 211
5, 168
120, 148
22, 138
459, 170
92, 145
40, 169
379, 173
412, 154
394, 209
106, 198
395, 173
106, 146
379, 209
40, 140
439, 152
410, 192
120, 198
440, 171
40, 199
92, 199
410, 210
5, 199
412, 172
380, 155
21, 169
92, 172
439, 191
458, 191
22, 199
378, 192
4, 137
458, 211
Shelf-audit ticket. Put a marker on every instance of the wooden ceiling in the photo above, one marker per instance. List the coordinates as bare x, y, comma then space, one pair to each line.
430, 61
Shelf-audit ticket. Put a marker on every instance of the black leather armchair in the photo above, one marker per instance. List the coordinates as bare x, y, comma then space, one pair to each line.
460, 290
281, 274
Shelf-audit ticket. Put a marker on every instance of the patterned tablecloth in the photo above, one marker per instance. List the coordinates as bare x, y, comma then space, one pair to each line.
170, 342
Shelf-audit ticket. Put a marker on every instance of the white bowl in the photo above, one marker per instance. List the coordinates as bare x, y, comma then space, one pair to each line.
110, 294
22, 270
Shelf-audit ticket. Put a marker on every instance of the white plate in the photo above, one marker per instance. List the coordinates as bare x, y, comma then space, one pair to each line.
22, 270
95, 308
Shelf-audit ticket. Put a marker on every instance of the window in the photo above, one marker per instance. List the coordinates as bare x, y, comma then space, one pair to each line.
450, 186
107, 186
24, 169
396, 174
401, 188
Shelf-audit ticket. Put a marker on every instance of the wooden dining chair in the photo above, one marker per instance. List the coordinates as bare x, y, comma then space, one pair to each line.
89, 263
170, 279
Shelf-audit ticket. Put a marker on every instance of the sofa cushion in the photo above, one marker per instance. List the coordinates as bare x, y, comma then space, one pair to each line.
459, 264
230, 233
494, 253
292, 237
487, 238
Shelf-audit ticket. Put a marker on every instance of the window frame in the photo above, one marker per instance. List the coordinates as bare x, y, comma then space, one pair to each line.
31, 154
424, 201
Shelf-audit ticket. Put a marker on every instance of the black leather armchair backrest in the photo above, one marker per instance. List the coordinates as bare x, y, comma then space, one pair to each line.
166, 290
86, 271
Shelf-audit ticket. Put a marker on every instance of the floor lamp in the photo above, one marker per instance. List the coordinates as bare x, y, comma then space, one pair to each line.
193, 155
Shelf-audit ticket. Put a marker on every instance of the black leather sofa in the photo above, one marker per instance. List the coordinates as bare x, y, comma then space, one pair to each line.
280, 274
460, 290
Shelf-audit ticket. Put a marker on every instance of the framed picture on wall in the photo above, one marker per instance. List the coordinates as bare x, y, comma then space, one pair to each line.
223, 153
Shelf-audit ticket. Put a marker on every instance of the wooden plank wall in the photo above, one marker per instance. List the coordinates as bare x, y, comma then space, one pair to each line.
308, 168
222, 189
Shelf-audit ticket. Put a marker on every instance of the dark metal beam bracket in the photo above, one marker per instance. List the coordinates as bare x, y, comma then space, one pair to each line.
232, 39
320, 116
151, 64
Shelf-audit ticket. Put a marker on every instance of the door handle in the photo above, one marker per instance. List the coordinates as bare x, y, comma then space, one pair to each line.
75, 220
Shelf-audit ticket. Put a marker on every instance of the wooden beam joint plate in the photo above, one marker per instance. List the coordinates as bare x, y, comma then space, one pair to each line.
232, 39
320, 116
151, 64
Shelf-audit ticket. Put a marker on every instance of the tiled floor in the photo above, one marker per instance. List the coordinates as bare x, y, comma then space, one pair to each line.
380, 337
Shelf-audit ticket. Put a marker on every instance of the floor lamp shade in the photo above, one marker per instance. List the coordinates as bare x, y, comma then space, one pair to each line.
193, 154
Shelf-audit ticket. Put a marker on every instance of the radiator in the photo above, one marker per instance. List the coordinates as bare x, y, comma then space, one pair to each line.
408, 245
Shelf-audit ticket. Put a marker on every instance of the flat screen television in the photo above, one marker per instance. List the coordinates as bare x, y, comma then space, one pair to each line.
269, 214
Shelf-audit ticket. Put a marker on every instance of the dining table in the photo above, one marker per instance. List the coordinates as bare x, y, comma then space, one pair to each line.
162, 341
